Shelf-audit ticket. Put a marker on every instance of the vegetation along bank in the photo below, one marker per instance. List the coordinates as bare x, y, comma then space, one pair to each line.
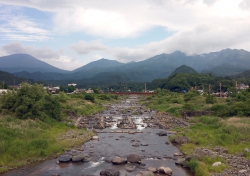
36, 125
212, 132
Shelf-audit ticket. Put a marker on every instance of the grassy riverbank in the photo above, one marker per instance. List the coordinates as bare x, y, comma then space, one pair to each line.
25, 141
221, 128
32, 123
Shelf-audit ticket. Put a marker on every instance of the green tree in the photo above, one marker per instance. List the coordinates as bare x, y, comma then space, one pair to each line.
31, 102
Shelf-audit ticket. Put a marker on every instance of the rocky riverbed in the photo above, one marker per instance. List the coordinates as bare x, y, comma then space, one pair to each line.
130, 140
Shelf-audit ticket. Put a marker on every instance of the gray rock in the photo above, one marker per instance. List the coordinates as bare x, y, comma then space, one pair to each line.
216, 164
134, 158
130, 168
144, 144
145, 173
110, 172
163, 133
167, 142
78, 158
64, 158
165, 170
248, 163
136, 145
118, 160
246, 150
152, 169
180, 161
95, 137
180, 140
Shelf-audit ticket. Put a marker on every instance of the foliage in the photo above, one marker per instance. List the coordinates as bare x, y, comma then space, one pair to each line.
185, 81
189, 95
67, 89
89, 97
31, 102
210, 99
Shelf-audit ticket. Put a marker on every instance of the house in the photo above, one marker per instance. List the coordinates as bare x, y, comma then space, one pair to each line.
3, 90
54, 90
242, 86
72, 84
89, 91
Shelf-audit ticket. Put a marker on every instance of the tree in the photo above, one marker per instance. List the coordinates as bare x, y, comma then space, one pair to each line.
31, 102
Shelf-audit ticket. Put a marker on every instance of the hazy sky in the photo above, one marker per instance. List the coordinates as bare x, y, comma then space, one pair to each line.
71, 33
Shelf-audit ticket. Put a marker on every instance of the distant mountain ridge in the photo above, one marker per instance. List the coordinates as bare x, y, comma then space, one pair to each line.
11, 79
102, 63
24, 62
223, 63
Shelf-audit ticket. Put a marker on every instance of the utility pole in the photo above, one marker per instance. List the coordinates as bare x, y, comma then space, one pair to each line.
145, 87
220, 89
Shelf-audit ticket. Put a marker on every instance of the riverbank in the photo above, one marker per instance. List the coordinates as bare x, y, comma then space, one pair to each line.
206, 139
124, 130
25, 141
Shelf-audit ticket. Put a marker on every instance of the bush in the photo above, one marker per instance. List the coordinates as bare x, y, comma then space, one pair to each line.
210, 99
104, 97
188, 106
190, 95
89, 97
193, 164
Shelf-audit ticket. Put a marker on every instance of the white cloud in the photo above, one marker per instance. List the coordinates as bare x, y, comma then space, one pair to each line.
83, 47
55, 58
201, 39
15, 26
199, 25
245, 4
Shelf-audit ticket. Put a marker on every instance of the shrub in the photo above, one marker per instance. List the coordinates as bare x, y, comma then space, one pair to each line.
103, 97
31, 102
210, 99
190, 95
89, 97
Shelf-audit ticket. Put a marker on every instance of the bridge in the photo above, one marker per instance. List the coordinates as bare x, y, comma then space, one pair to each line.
133, 93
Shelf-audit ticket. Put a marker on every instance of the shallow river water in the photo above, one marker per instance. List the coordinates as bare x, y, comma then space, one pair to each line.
114, 142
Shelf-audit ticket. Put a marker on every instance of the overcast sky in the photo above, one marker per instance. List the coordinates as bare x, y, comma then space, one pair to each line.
71, 33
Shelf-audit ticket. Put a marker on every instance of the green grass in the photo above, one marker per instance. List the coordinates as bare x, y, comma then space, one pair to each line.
24, 141
232, 133
81, 107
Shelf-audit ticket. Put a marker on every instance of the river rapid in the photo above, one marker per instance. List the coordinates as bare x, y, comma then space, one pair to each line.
129, 129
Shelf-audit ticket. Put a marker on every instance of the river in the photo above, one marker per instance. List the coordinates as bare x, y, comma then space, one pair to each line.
114, 141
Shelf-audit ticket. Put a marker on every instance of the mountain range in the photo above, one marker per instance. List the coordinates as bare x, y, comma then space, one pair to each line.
223, 63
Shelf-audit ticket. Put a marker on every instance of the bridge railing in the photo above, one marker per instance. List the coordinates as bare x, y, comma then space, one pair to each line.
132, 93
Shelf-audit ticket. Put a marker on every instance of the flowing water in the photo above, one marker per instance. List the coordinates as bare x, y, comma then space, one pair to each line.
114, 141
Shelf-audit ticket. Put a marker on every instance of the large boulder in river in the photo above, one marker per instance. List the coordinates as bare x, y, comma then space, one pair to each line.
118, 160
180, 140
78, 158
64, 158
165, 170
110, 172
134, 158
95, 137
163, 133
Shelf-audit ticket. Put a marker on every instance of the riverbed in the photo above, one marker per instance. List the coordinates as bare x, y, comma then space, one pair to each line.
129, 129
